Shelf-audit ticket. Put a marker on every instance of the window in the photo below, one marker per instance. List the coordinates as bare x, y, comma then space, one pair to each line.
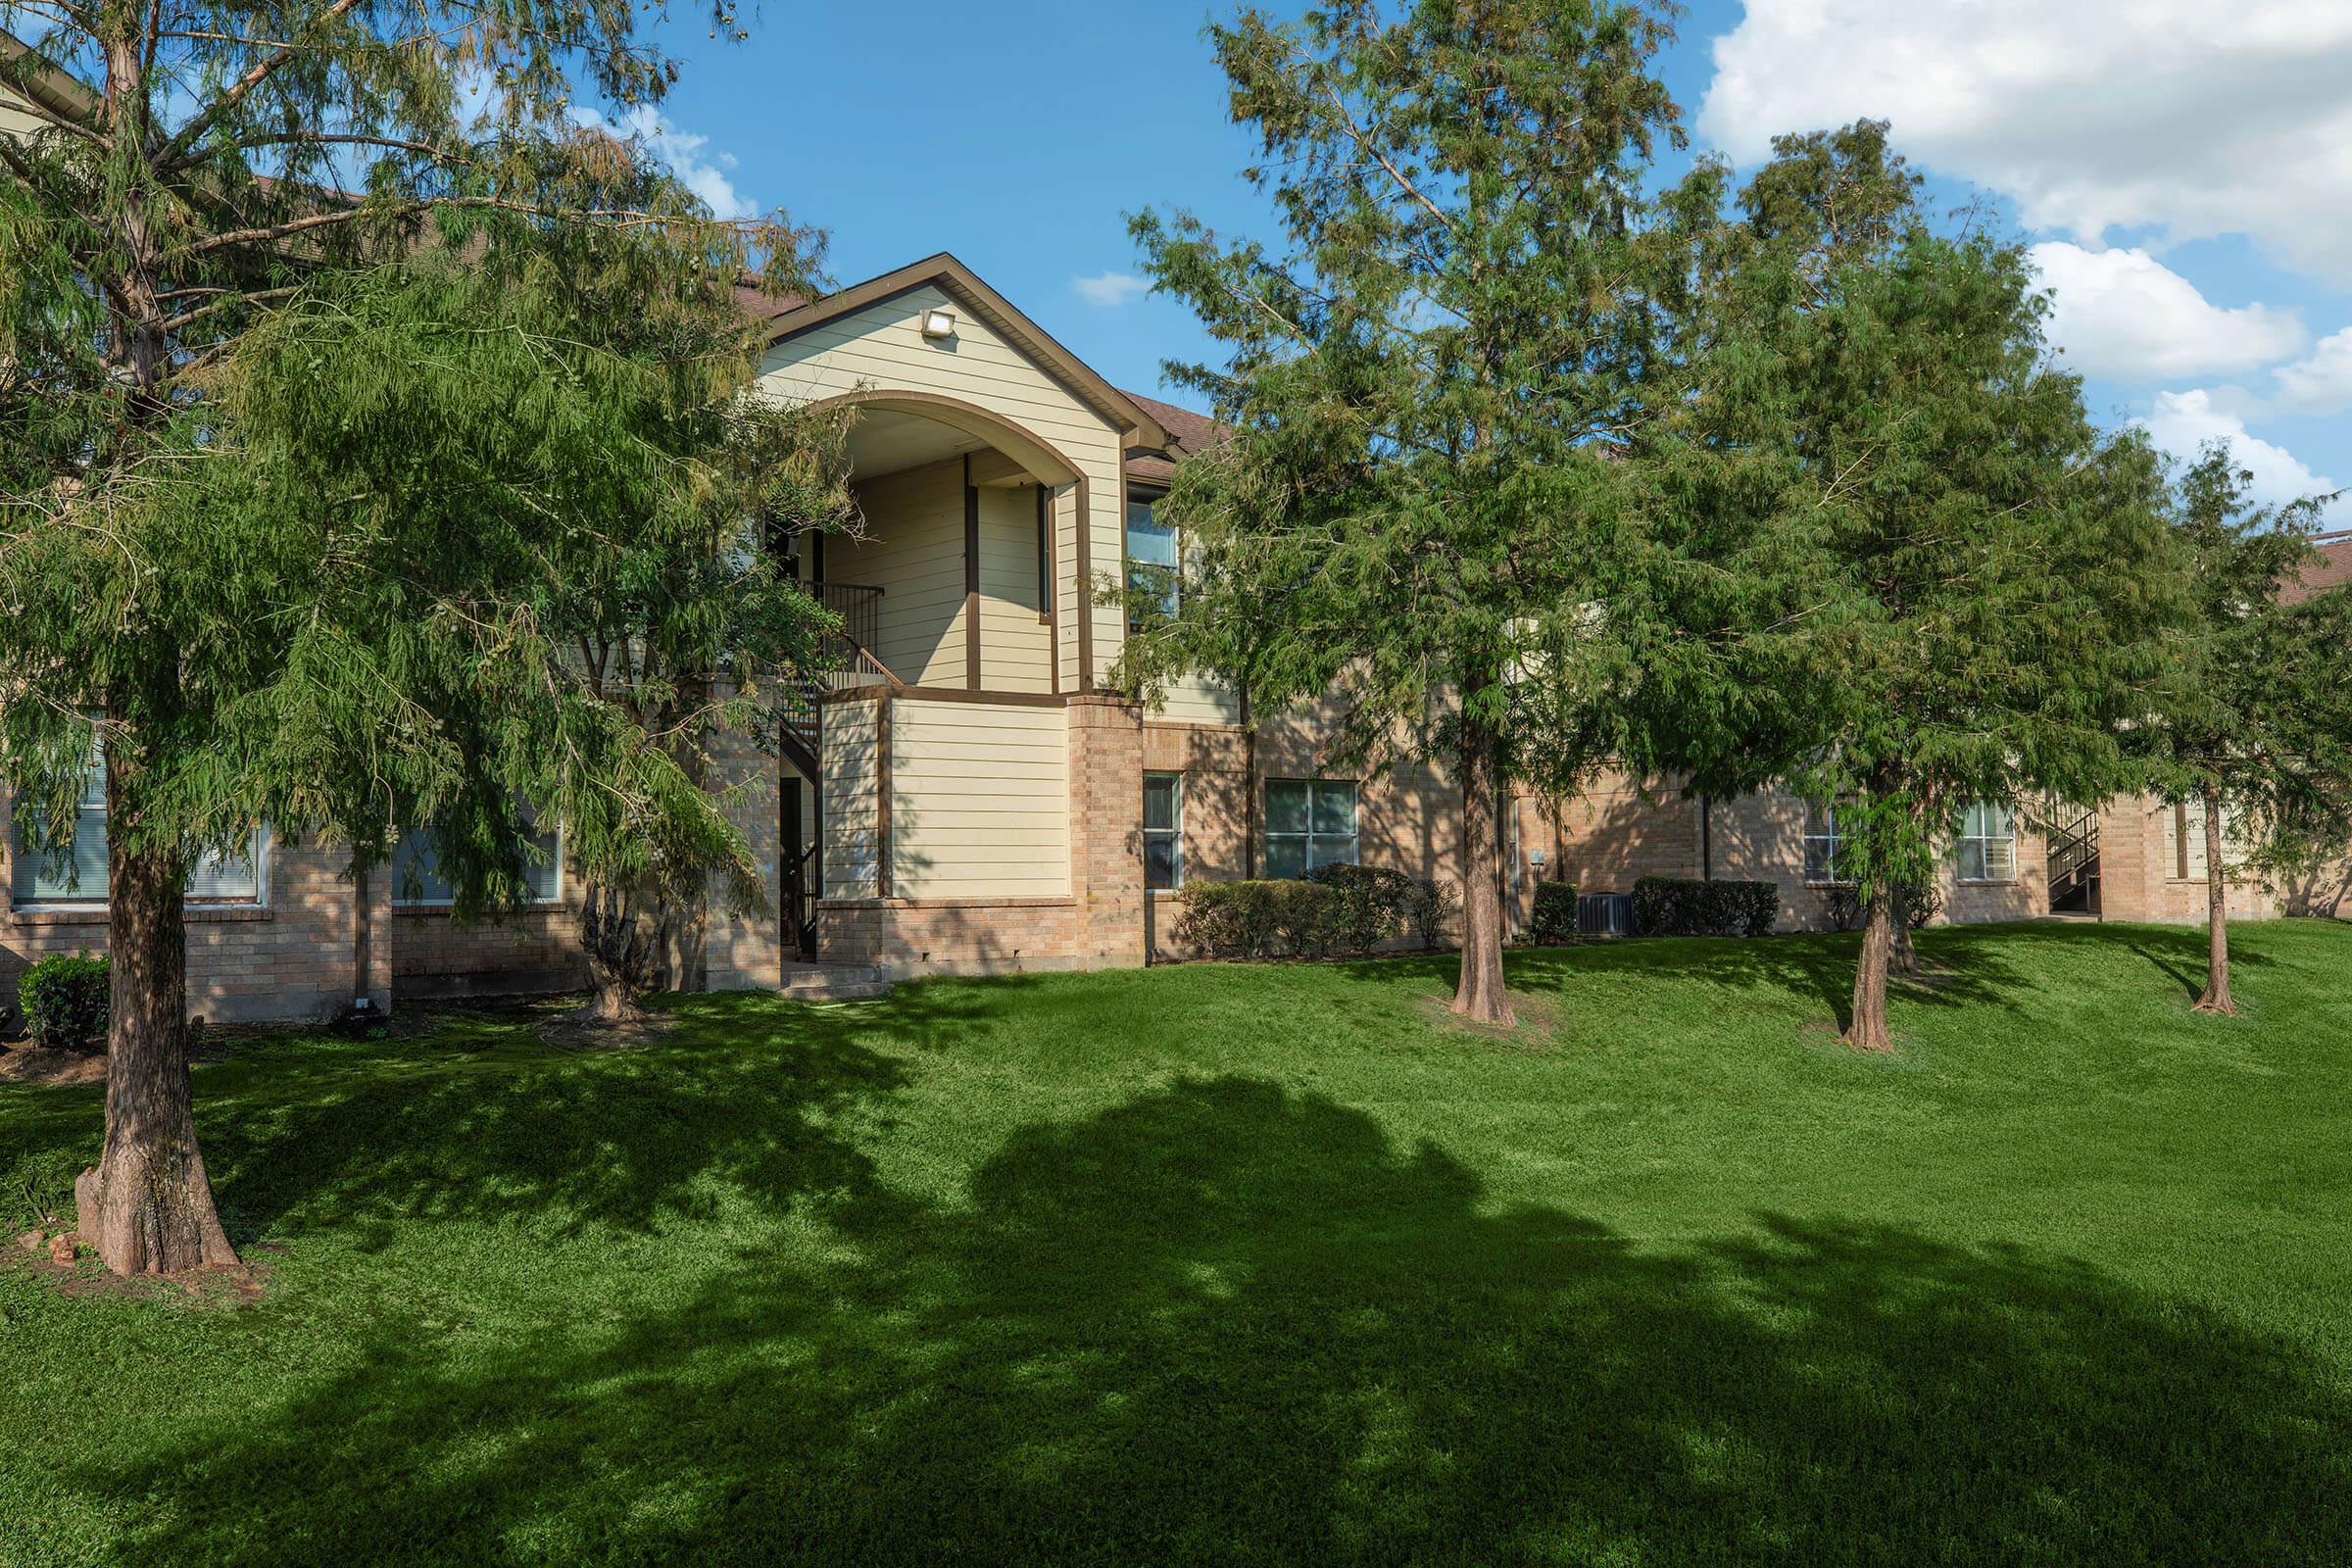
1988, 843
79, 875
1150, 557
1164, 830
1822, 843
1045, 551
1309, 822
416, 877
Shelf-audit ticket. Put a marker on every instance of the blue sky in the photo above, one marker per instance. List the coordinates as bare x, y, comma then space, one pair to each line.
2184, 169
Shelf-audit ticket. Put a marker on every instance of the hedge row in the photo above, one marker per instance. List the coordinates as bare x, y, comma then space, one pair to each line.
1337, 910
1685, 906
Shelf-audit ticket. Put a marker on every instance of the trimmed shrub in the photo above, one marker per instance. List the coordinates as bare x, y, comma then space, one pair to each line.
1227, 919
1917, 902
1685, 906
1306, 919
1337, 909
1429, 908
1554, 919
1366, 905
63, 998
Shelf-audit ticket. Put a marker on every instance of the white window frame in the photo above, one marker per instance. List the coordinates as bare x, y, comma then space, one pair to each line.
1978, 816
1821, 827
1309, 839
1172, 836
94, 804
1173, 568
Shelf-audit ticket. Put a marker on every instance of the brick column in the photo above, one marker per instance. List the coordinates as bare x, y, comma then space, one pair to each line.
1106, 830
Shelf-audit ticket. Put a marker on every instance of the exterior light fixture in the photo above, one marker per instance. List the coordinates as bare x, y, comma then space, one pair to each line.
939, 325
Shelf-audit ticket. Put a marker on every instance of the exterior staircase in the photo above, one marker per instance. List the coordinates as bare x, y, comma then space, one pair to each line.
2073, 865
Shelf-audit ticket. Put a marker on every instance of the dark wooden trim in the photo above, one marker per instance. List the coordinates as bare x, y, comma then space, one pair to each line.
971, 577
947, 694
882, 855
1086, 589
816, 561
1053, 617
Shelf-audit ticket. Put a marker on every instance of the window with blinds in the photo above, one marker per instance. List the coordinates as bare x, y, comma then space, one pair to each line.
418, 881
77, 874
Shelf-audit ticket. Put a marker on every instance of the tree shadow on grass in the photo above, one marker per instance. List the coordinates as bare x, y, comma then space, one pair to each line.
488, 1122
1224, 1322
1962, 965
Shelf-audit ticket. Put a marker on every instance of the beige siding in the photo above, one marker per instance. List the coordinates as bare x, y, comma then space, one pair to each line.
1198, 700
913, 554
980, 800
1014, 655
882, 349
13, 120
850, 856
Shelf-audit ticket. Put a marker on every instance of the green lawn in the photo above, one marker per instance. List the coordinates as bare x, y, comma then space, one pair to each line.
1255, 1263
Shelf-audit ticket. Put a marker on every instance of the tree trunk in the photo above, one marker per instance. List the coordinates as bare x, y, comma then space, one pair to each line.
147, 1205
1903, 959
2216, 997
620, 949
1867, 1030
1481, 995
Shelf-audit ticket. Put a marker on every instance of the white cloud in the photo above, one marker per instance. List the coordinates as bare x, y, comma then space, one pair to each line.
2321, 383
2125, 316
2182, 115
702, 171
1110, 289
2183, 421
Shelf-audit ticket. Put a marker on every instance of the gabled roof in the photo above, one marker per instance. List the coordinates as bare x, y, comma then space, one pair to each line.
2334, 569
1187, 432
788, 316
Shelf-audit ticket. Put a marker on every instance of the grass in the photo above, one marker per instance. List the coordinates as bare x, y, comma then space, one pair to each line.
1257, 1263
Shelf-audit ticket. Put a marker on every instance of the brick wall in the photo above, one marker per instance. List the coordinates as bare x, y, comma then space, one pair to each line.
294, 957
1099, 924
2139, 870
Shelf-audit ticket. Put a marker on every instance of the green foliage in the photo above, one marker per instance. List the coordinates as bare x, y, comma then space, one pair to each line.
247, 650
1554, 919
1916, 905
1232, 919
1911, 575
1686, 907
1425, 377
1431, 907
1336, 909
1367, 904
64, 998
2256, 715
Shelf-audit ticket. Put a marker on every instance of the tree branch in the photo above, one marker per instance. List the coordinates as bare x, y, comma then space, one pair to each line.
227, 299
263, 70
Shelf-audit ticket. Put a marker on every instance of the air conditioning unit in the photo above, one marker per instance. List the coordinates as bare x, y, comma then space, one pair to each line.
1605, 914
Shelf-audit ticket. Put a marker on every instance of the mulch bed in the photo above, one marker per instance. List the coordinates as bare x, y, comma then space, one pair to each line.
27, 1063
